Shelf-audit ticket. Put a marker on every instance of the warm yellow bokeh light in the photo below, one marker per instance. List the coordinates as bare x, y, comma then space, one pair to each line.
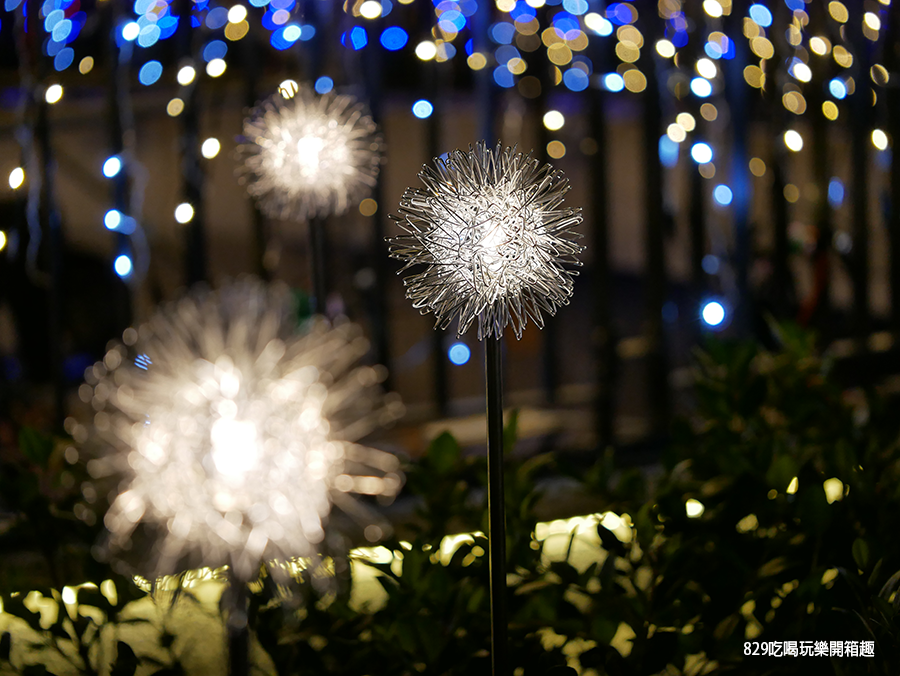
368, 207
665, 49
476, 61
793, 140
86, 65
709, 112
427, 50
687, 121
175, 107
556, 149
694, 508
210, 148
186, 75
757, 167
53, 94
237, 14
830, 110
553, 120
676, 132
791, 193
713, 8
216, 67
879, 139
16, 178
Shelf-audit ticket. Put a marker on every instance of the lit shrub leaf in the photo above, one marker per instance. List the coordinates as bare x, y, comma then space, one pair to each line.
782, 470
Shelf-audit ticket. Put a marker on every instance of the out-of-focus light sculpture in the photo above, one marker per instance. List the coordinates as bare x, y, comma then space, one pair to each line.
230, 436
492, 230
308, 156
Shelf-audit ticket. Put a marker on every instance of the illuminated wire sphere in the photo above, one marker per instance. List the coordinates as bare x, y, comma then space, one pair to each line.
229, 436
493, 232
307, 155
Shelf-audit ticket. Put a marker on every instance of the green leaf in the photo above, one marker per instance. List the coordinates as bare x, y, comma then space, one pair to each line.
444, 453
35, 445
781, 472
861, 553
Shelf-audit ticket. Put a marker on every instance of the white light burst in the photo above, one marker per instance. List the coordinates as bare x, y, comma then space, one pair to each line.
492, 230
306, 155
230, 435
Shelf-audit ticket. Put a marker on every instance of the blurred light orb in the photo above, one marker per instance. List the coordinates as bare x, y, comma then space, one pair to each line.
613, 82
184, 212
123, 266
701, 153
426, 50
112, 166
3, 240
228, 437
323, 85
838, 88
761, 15
16, 178
793, 140
713, 313
370, 9
112, 219
310, 155
130, 31
53, 94
216, 67
394, 38
722, 195
554, 120
879, 139
422, 109
237, 13
210, 148
186, 75
492, 231
459, 354
701, 87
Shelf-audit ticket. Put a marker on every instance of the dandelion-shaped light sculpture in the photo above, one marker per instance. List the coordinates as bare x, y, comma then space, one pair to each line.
307, 156
491, 227
492, 230
231, 436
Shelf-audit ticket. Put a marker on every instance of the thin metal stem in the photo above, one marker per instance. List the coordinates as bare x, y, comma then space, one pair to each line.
237, 626
317, 265
496, 506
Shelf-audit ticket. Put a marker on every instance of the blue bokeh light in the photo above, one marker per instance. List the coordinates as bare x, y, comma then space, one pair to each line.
112, 166
503, 77
722, 195
503, 32
710, 264
123, 266
216, 49
112, 219
394, 38
713, 313
701, 153
324, 85
150, 72
701, 87
668, 151
575, 79
613, 82
838, 88
761, 15
356, 38
422, 109
575, 6
459, 353
835, 192
63, 58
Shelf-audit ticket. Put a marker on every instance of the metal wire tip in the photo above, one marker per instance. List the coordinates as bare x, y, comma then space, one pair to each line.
492, 231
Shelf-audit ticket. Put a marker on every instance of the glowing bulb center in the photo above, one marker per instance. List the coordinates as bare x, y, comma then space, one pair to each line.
234, 447
309, 149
